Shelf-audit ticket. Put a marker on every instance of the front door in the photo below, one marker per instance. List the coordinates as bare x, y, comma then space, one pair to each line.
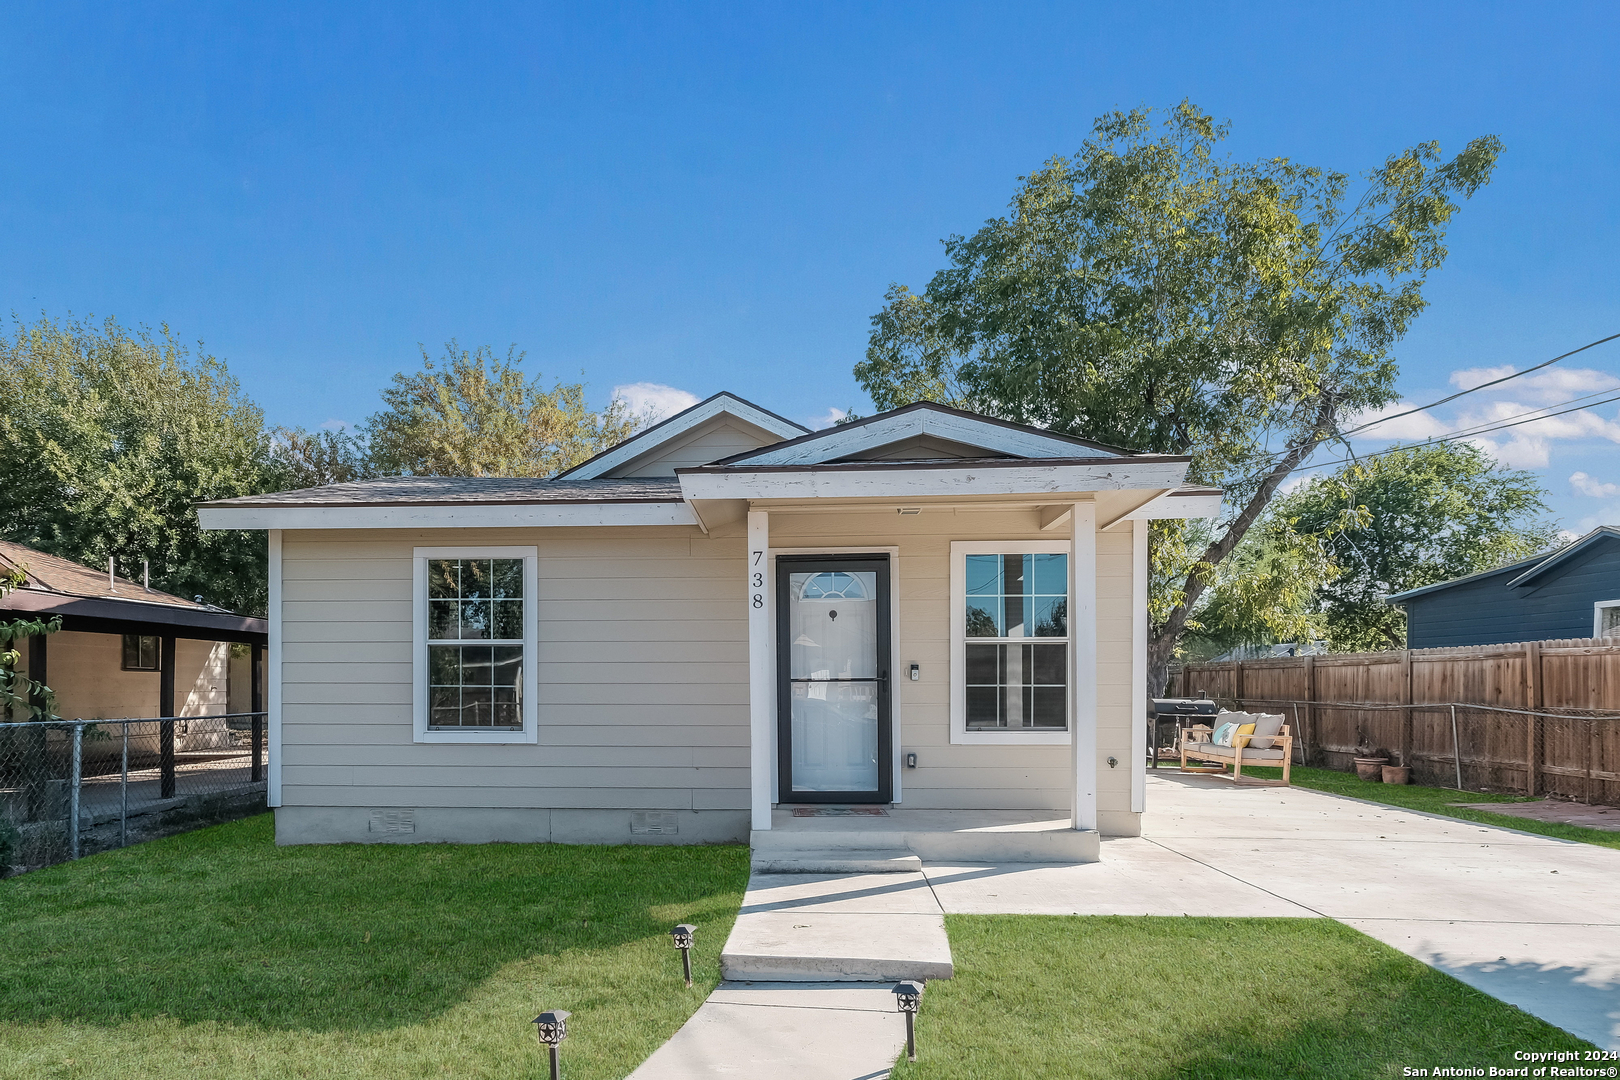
832, 665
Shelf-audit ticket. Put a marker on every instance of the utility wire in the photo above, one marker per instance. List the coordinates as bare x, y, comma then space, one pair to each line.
1481, 386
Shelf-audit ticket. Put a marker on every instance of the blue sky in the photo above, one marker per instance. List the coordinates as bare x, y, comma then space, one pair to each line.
713, 197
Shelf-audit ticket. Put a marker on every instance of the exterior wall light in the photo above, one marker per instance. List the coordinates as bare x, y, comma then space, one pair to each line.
683, 941
909, 997
552, 1028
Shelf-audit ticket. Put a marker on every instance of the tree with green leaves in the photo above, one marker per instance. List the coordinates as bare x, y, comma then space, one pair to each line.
476, 414
1410, 518
109, 438
1152, 293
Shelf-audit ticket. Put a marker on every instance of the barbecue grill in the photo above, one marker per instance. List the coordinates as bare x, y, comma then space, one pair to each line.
1174, 714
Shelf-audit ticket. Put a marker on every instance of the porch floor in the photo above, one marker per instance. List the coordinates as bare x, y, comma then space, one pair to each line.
811, 833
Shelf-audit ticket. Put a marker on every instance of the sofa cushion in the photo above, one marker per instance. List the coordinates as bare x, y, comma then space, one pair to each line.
1230, 753
1266, 726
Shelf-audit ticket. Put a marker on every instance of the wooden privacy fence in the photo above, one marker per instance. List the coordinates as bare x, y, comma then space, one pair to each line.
1537, 717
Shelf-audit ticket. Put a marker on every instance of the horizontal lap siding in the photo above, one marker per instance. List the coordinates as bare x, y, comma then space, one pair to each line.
966, 777
642, 667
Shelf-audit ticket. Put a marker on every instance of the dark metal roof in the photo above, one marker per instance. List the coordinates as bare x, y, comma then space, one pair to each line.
466, 490
1529, 569
87, 601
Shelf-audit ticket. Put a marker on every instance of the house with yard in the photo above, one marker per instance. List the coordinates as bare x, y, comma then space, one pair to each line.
126, 650
1569, 592
919, 623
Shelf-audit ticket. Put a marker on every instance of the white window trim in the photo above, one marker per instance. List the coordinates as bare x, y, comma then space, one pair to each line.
1597, 615
960, 550
419, 644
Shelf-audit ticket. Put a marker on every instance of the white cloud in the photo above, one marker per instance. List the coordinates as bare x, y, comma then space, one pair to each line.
1468, 378
1546, 387
827, 419
339, 425
1420, 425
654, 401
1597, 489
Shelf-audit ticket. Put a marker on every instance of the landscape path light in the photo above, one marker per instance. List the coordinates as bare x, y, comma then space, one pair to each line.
552, 1028
683, 941
909, 996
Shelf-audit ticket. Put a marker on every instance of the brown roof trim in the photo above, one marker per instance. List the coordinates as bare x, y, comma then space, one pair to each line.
141, 614
936, 407
931, 463
671, 419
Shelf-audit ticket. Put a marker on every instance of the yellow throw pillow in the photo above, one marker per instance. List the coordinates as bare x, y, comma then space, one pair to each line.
1243, 729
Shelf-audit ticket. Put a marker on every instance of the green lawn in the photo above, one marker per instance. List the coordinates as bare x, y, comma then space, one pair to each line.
218, 954
1434, 800
1201, 999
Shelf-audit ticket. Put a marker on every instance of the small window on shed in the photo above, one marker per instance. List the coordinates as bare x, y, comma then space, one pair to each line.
1608, 620
140, 652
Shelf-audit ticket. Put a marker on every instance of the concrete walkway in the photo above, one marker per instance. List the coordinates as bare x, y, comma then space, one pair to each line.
1532, 921
802, 1031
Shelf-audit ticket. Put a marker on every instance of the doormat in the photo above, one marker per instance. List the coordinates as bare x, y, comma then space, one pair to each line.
839, 811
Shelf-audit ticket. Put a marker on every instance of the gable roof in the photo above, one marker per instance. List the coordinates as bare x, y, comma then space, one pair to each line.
1001, 438
465, 491
54, 574
673, 428
1526, 570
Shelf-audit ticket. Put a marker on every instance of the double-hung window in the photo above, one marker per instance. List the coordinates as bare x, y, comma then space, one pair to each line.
475, 619
1010, 642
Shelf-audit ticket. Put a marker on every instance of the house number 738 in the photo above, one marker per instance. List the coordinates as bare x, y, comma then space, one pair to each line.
757, 581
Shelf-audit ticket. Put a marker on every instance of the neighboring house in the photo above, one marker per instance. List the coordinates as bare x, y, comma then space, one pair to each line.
724, 614
1571, 592
125, 650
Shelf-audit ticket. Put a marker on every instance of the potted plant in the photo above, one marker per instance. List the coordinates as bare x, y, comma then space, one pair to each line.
1370, 764
1398, 774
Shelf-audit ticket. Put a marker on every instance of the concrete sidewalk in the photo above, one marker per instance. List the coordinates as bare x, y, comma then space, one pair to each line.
802, 1031
1529, 920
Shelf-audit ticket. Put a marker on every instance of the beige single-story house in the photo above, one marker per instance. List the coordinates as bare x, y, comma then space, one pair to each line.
724, 622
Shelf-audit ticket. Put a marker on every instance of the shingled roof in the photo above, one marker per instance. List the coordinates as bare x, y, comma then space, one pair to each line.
466, 490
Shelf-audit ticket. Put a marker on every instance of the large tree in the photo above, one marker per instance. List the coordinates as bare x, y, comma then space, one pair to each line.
476, 414
1411, 518
108, 440
1152, 293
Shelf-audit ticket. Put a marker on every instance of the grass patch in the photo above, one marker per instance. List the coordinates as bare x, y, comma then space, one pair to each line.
216, 953
1432, 800
1236, 999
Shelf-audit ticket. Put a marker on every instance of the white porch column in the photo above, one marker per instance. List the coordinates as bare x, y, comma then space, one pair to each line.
761, 707
1083, 674
1139, 687
272, 679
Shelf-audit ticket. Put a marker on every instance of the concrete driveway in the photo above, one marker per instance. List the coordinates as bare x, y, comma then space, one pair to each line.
1532, 921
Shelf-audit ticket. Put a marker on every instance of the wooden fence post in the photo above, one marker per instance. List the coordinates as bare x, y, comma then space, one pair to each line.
1532, 700
1406, 713
1237, 685
1310, 706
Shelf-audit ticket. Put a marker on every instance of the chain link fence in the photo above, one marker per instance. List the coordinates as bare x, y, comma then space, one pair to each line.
70, 788
1567, 753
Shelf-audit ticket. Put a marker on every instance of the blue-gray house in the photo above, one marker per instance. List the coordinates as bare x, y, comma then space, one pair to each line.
1572, 592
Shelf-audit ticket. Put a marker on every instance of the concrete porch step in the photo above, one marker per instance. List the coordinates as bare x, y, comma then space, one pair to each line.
837, 861
837, 928
933, 835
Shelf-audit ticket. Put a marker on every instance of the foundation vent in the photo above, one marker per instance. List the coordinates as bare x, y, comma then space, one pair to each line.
393, 821
663, 822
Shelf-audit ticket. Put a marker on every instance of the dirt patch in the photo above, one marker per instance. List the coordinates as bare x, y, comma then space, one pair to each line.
1606, 818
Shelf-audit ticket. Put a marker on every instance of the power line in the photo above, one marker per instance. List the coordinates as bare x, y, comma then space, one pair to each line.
1481, 386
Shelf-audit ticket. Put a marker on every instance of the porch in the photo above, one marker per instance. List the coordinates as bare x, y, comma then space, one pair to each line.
877, 839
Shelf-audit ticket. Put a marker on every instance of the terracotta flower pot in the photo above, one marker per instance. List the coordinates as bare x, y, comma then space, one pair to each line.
1397, 774
1370, 768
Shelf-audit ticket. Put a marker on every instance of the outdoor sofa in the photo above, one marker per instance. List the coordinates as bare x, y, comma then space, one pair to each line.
1269, 742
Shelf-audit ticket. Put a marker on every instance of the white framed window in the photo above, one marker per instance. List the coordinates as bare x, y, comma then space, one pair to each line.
474, 619
1606, 619
1011, 649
